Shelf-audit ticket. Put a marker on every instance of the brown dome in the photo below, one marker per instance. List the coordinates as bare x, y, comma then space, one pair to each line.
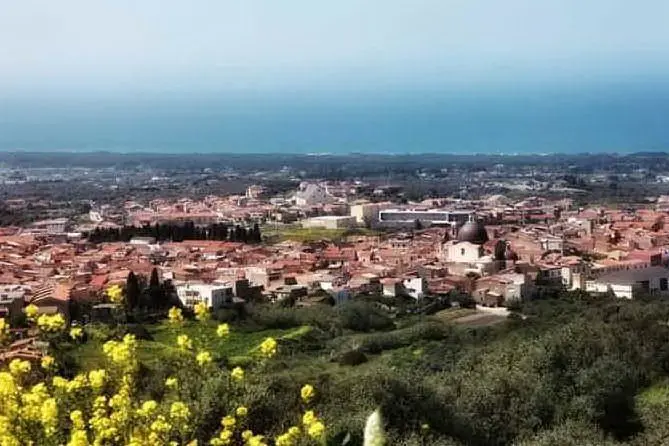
473, 232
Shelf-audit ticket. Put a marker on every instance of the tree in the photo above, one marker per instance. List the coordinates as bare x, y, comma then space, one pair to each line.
133, 292
156, 292
255, 236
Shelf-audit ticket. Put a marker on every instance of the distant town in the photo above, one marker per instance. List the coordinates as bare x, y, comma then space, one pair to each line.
226, 237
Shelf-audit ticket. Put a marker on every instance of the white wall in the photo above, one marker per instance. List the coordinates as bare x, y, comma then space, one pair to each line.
211, 295
415, 287
464, 252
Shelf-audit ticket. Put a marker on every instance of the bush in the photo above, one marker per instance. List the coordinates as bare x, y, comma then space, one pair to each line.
274, 317
362, 316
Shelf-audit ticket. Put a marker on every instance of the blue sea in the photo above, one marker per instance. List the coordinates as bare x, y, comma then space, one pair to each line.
513, 120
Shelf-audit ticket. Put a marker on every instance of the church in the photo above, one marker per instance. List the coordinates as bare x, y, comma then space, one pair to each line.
466, 254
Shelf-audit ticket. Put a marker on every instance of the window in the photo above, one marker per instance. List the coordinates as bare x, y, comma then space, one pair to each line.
462, 251
664, 284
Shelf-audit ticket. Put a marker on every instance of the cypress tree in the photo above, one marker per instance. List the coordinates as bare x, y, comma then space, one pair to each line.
132, 291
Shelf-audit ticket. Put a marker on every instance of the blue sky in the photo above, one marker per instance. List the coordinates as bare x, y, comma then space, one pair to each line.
219, 45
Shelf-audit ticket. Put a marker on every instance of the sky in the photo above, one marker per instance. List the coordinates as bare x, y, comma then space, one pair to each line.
194, 46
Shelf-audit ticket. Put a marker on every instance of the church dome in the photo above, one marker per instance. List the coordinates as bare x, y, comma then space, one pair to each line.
473, 232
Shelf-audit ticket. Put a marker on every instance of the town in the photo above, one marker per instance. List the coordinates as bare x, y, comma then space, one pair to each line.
330, 241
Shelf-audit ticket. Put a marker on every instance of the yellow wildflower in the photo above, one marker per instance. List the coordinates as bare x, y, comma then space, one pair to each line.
7, 385
247, 434
203, 358
4, 329
49, 416
19, 367
179, 410
160, 425
285, 440
256, 440
241, 411
309, 418
228, 421
171, 382
316, 430
59, 382
78, 438
76, 333
115, 294
77, 418
201, 312
307, 393
148, 407
237, 374
184, 342
224, 439
121, 353
294, 431
48, 362
175, 316
77, 383
97, 378
51, 323
31, 312
222, 330
268, 347
31, 402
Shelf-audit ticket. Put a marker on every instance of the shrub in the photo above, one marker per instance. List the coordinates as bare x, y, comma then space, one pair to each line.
362, 316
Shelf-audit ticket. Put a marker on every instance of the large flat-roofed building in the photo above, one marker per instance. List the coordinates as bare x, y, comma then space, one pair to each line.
330, 222
427, 217
55, 226
367, 212
632, 283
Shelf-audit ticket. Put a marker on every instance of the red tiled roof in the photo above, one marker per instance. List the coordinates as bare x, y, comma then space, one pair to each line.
98, 281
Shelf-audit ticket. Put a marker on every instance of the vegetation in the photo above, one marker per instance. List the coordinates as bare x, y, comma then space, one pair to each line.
178, 233
306, 235
568, 369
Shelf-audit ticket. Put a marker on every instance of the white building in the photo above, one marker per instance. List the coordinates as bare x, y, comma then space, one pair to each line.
55, 226
367, 212
330, 222
427, 217
630, 283
312, 194
415, 287
214, 296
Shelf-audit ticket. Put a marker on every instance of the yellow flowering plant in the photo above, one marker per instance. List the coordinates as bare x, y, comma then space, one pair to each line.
175, 316
31, 312
107, 406
76, 333
115, 294
201, 311
51, 323
4, 330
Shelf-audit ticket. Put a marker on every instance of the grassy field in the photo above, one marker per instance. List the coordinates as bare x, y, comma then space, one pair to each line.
238, 347
452, 314
300, 234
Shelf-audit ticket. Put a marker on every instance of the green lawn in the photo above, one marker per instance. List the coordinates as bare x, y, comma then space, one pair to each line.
238, 347
300, 234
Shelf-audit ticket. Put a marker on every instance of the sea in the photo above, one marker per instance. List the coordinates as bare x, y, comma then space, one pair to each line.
513, 120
